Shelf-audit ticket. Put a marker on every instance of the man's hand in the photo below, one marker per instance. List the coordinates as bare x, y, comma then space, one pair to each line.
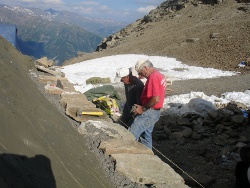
138, 109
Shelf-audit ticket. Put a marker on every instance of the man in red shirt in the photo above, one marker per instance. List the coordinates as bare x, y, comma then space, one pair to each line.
152, 98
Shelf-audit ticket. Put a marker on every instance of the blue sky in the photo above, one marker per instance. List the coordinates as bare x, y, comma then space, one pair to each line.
119, 10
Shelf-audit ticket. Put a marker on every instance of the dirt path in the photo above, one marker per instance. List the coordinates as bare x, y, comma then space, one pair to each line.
215, 86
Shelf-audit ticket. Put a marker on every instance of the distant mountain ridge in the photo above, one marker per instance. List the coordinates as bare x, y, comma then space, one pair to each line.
100, 27
57, 35
207, 33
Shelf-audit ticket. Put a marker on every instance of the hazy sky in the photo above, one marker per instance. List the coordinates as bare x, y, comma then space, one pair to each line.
119, 10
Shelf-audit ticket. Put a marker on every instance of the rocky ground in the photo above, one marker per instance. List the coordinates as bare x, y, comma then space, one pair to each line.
203, 157
199, 156
204, 35
202, 148
200, 34
215, 36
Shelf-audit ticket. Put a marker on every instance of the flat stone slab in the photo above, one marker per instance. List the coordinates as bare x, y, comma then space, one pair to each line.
147, 169
74, 103
112, 130
78, 99
114, 146
50, 71
45, 62
72, 110
67, 86
53, 90
44, 79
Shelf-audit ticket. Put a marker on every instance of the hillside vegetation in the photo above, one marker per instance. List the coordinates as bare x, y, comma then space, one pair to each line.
196, 33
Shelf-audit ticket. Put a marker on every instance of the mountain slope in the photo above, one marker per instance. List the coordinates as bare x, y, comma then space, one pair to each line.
196, 33
35, 138
100, 27
55, 40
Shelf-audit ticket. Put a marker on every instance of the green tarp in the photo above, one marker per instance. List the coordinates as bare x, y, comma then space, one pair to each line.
103, 91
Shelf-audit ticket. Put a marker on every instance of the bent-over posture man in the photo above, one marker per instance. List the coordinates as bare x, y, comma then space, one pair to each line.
133, 89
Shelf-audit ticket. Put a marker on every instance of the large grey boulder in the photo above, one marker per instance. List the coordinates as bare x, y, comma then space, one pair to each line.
147, 169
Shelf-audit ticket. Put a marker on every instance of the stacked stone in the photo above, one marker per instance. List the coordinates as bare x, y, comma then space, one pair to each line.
228, 127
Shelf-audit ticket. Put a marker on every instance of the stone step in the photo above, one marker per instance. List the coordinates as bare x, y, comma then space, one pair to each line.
75, 103
45, 79
114, 146
50, 71
132, 159
147, 169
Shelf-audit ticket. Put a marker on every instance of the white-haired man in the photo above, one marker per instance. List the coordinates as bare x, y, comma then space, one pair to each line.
152, 98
